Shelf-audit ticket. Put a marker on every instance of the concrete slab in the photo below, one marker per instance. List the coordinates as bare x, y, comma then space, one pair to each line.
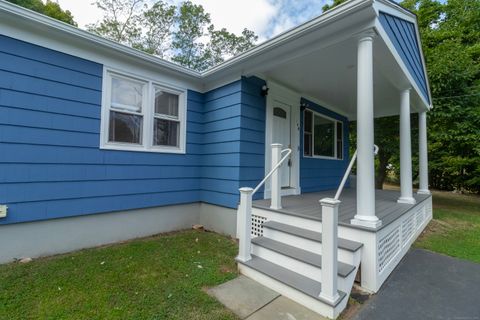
426, 285
243, 296
285, 309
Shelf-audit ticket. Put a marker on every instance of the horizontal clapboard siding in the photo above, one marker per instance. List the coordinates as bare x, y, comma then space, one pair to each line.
404, 38
323, 174
234, 124
50, 162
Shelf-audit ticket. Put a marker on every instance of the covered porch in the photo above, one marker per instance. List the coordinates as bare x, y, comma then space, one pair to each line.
307, 205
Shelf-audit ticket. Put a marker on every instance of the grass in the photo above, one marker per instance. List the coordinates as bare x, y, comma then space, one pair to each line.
455, 228
161, 277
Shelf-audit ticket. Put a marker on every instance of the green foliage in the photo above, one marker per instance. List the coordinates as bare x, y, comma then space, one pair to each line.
161, 277
455, 228
182, 33
451, 44
50, 8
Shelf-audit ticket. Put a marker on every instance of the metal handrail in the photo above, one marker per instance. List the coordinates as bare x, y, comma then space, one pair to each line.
349, 169
288, 151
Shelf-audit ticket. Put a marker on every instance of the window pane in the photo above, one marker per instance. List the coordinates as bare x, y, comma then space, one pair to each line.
339, 140
324, 138
279, 112
307, 144
127, 95
308, 121
166, 103
125, 128
166, 133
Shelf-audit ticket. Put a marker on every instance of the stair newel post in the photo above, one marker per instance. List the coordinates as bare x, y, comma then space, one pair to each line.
276, 197
329, 249
244, 224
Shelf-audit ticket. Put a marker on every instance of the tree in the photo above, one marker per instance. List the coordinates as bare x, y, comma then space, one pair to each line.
183, 33
192, 24
120, 21
157, 22
50, 8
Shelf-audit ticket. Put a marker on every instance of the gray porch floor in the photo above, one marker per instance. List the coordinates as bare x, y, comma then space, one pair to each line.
387, 208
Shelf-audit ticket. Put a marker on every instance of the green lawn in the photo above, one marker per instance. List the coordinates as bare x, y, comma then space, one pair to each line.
155, 278
455, 228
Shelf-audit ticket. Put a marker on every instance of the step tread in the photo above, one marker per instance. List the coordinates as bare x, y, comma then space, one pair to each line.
292, 279
311, 235
344, 269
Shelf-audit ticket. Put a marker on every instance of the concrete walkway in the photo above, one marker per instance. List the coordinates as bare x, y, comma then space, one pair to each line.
426, 285
251, 301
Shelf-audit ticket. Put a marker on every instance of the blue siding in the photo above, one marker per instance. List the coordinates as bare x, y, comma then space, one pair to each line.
50, 162
323, 174
234, 134
403, 36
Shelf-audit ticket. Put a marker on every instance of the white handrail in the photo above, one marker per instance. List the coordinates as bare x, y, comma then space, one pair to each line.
288, 151
349, 169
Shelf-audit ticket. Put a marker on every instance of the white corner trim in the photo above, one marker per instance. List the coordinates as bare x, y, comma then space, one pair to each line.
147, 113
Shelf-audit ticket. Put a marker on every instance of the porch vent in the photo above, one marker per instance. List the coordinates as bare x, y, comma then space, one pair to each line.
408, 228
257, 225
387, 248
420, 215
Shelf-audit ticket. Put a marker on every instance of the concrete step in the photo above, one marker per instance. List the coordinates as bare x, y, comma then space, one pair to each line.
295, 286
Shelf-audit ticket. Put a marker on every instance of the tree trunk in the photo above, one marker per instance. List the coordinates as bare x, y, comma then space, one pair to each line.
381, 170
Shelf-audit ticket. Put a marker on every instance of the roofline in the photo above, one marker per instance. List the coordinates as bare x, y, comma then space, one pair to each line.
24, 13
329, 16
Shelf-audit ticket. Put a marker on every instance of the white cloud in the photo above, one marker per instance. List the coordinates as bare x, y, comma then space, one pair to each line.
84, 11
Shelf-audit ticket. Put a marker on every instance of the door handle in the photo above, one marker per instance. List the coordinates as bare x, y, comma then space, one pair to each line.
289, 162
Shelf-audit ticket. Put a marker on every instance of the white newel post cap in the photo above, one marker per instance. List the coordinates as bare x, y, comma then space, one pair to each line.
246, 190
276, 145
330, 202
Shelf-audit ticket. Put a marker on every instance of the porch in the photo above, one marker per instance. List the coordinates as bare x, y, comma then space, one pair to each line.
307, 205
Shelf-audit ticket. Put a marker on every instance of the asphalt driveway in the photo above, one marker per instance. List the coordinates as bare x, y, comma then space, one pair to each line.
426, 285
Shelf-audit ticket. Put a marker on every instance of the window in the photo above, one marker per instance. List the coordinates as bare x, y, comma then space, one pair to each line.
142, 115
322, 136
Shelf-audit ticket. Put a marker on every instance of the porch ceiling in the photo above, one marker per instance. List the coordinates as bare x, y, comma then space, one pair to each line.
329, 76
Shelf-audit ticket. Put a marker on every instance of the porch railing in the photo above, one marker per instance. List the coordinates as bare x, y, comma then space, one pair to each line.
244, 214
330, 237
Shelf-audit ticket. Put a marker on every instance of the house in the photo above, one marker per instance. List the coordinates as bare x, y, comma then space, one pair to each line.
102, 143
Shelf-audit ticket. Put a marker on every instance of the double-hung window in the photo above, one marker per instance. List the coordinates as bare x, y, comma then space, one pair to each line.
142, 115
322, 136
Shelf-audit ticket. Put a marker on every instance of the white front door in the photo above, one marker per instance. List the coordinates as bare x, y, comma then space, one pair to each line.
281, 133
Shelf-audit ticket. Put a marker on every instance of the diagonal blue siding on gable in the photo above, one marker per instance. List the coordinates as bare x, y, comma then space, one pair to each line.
318, 174
403, 36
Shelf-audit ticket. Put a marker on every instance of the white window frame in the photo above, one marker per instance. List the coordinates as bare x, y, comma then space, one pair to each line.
148, 113
315, 113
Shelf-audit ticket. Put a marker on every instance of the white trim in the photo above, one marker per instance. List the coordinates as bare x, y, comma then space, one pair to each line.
147, 113
290, 97
313, 138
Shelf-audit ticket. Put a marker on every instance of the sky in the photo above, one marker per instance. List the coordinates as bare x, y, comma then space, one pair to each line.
266, 18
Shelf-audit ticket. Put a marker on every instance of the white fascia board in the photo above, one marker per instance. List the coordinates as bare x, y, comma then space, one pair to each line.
400, 62
330, 16
56, 27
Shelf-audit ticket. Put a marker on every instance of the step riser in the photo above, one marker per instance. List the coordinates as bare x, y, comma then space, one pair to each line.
293, 294
305, 269
296, 221
345, 256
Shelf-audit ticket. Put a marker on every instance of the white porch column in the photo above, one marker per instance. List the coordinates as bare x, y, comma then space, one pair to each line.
329, 271
406, 195
423, 153
365, 160
276, 182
